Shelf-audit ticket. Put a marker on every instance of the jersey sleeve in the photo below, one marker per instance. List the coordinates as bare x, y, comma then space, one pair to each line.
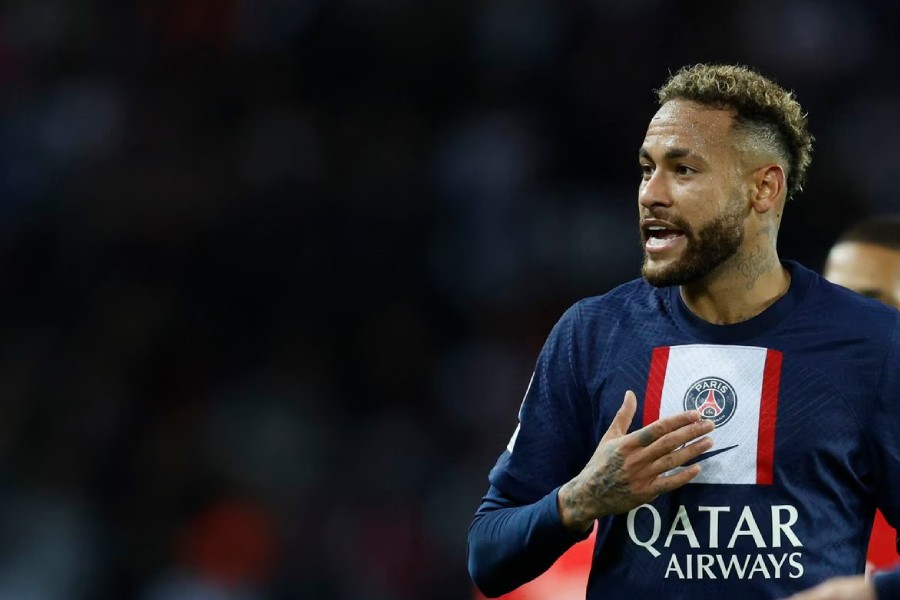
517, 533
510, 544
885, 433
553, 440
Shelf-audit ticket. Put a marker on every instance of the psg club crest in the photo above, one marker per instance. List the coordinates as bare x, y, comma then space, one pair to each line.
714, 398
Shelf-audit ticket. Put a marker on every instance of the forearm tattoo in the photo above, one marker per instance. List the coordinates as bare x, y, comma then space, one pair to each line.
603, 489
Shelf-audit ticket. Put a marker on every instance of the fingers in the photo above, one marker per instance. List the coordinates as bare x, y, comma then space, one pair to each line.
664, 485
670, 442
657, 430
671, 460
625, 415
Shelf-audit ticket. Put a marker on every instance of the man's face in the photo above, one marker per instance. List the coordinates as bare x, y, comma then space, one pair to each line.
871, 270
691, 199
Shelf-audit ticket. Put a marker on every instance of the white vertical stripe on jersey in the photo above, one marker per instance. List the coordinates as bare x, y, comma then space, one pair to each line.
742, 367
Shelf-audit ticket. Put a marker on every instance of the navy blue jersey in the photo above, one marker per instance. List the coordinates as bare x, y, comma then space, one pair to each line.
806, 401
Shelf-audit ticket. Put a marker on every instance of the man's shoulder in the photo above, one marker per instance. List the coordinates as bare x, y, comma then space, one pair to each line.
846, 308
633, 296
850, 316
634, 306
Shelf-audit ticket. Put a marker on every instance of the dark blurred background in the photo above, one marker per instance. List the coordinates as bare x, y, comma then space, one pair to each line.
274, 273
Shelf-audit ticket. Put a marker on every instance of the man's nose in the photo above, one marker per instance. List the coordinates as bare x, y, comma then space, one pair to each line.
654, 191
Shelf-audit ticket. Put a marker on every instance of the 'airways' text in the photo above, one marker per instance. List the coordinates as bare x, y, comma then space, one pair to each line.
717, 566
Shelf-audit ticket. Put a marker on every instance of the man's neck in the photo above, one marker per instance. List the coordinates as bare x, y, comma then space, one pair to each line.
740, 289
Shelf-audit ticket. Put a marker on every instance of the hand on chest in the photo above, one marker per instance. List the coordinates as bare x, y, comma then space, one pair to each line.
742, 390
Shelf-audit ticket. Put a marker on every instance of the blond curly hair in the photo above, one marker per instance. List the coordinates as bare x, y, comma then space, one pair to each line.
766, 112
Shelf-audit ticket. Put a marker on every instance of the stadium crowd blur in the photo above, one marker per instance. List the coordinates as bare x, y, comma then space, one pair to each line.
274, 273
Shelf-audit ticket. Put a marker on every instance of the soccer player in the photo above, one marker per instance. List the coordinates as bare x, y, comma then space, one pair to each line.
761, 403
866, 259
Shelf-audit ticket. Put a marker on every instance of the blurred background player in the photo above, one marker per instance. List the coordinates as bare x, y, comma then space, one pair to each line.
866, 259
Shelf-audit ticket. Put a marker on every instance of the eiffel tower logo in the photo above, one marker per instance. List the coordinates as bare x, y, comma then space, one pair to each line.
713, 397
710, 408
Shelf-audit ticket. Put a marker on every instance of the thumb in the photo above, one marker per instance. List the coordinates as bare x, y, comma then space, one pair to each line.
624, 417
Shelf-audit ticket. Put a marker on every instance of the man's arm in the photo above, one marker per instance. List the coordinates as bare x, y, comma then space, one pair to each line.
511, 542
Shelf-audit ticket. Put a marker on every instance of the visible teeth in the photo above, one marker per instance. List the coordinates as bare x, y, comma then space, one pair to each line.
656, 242
655, 228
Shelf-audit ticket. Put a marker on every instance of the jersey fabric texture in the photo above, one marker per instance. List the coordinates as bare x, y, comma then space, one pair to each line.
806, 401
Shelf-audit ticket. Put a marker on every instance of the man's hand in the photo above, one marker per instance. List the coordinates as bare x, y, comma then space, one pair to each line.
840, 588
627, 469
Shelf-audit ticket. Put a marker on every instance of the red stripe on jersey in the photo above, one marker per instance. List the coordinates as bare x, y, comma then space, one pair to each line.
768, 415
655, 382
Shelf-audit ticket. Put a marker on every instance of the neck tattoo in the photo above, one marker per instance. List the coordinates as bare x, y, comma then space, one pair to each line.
757, 262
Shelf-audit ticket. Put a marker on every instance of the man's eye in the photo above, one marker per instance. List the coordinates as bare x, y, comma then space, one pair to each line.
684, 170
646, 171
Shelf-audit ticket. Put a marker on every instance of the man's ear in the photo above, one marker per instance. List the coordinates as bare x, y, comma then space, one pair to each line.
769, 187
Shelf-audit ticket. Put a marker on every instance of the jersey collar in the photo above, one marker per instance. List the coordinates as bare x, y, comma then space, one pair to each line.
801, 279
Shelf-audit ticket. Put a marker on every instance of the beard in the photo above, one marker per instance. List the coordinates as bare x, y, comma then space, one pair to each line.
705, 250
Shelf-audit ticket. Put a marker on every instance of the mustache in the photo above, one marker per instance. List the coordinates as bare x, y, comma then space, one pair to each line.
669, 218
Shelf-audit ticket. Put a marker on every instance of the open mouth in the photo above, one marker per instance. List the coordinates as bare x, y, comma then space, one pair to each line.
661, 237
